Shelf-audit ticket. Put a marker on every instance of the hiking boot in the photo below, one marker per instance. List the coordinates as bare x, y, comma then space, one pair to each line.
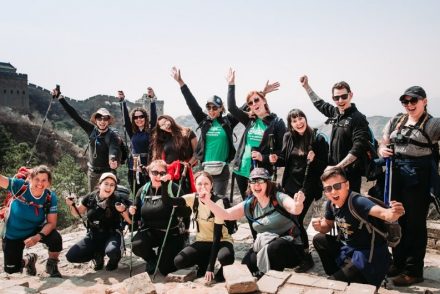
306, 264
406, 280
30, 266
394, 271
98, 260
52, 268
112, 265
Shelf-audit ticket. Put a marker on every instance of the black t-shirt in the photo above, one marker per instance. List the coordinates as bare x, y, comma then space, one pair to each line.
348, 225
184, 153
102, 215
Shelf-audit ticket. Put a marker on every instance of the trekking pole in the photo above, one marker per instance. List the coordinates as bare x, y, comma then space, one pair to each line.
44, 120
254, 162
391, 146
72, 198
274, 166
132, 217
388, 178
163, 243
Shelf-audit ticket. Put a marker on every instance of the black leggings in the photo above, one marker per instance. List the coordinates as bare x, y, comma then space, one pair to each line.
199, 253
304, 237
13, 250
108, 243
328, 249
242, 183
281, 253
145, 240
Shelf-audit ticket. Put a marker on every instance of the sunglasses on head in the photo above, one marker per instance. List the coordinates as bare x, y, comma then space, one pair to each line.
255, 181
138, 116
157, 173
413, 101
343, 97
99, 117
336, 187
211, 107
252, 102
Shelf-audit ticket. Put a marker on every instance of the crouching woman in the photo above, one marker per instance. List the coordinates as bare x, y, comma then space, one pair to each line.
273, 216
105, 214
32, 218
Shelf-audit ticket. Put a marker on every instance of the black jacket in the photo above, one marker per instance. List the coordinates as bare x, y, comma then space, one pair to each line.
350, 133
228, 122
99, 152
275, 126
295, 166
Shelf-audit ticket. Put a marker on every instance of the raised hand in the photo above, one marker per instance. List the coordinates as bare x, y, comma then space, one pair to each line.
132, 209
230, 77
304, 80
271, 87
121, 96
175, 74
256, 156
310, 156
299, 197
316, 223
273, 158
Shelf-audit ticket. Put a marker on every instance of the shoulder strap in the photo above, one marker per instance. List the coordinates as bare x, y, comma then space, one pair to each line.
144, 192
279, 208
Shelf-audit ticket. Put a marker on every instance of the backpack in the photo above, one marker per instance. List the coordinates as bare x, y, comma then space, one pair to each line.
391, 232
251, 202
10, 197
400, 120
231, 225
369, 167
123, 149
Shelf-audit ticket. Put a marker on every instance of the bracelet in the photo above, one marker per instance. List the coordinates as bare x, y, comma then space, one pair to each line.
42, 235
123, 211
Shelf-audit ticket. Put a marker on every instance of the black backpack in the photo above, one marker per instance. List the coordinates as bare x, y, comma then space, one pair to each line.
231, 225
123, 149
391, 232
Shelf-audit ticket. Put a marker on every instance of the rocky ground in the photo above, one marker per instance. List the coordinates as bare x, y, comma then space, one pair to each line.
81, 278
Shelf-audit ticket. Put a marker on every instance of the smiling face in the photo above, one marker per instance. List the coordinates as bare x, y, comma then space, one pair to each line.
257, 105
156, 171
213, 110
342, 99
164, 125
102, 121
336, 189
39, 183
299, 124
139, 119
414, 106
106, 188
258, 187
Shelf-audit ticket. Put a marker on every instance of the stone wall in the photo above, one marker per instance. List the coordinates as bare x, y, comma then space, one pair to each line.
14, 91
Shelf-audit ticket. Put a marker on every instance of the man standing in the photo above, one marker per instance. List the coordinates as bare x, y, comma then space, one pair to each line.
350, 133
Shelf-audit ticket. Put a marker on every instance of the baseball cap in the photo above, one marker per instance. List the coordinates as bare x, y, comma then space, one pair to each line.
259, 173
414, 91
108, 175
217, 101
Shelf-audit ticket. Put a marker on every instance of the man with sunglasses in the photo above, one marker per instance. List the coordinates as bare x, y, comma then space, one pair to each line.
346, 257
104, 154
350, 133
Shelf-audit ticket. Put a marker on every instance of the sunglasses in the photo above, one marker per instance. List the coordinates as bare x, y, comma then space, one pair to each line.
213, 107
157, 173
252, 102
413, 101
100, 117
259, 181
336, 187
138, 116
343, 97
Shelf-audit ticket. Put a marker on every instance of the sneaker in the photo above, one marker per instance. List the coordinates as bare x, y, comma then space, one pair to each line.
30, 266
112, 265
406, 280
52, 268
98, 260
306, 264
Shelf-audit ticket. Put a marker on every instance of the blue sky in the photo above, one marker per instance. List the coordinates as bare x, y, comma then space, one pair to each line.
98, 47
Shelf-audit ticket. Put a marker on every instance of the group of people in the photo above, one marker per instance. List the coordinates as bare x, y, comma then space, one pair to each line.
167, 193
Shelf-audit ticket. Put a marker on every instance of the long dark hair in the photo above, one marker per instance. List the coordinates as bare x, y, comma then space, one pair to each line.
300, 142
134, 127
179, 137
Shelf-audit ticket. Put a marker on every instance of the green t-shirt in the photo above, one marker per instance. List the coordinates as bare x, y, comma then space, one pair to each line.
253, 139
216, 146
